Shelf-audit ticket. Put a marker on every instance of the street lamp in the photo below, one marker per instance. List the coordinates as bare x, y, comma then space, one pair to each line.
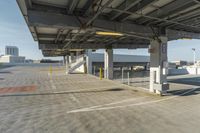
194, 55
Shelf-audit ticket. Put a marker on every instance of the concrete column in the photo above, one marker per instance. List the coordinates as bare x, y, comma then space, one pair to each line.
77, 54
89, 61
132, 68
158, 65
71, 57
64, 60
67, 64
108, 64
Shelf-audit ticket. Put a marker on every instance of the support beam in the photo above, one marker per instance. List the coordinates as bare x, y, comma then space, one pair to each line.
158, 65
73, 4
108, 64
52, 46
44, 19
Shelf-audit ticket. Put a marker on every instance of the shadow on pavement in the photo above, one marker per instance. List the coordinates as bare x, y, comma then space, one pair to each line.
189, 81
67, 92
184, 92
139, 81
1, 78
5, 72
6, 66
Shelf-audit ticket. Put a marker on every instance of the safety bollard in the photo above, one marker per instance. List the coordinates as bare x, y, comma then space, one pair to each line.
50, 70
100, 73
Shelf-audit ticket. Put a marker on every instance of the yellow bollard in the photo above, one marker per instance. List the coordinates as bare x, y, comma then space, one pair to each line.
50, 70
100, 73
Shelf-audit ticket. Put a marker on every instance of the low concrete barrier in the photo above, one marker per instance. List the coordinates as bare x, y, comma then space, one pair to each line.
177, 71
29, 64
189, 70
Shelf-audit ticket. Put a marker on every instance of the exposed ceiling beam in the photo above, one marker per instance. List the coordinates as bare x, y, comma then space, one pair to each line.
65, 21
139, 7
90, 21
177, 10
124, 45
165, 9
183, 16
73, 4
29, 3
66, 36
99, 12
60, 31
126, 5
88, 7
44, 19
197, 1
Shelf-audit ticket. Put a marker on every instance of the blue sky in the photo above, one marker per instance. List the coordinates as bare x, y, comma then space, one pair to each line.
14, 31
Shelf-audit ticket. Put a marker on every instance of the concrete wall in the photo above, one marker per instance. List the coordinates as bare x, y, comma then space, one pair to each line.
5, 59
177, 71
189, 70
32, 64
97, 57
17, 59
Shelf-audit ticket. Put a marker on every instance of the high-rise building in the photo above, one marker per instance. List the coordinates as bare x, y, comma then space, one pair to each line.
12, 50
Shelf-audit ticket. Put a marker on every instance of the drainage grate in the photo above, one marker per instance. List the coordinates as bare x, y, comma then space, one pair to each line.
30, 88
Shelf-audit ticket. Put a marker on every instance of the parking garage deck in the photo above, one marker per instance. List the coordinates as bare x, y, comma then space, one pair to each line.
33, 101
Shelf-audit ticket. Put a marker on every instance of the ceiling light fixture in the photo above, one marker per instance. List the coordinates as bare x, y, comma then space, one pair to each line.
108, 33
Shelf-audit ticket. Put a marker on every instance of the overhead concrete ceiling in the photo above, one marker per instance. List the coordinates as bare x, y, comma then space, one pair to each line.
62, 25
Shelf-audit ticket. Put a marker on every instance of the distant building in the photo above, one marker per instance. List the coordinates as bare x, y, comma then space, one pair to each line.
12, 50
180, 63
12, 59
12, 55
198, 63
172, 65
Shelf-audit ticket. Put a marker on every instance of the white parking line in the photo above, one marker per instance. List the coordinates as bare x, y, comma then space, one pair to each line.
113, 103
129, 105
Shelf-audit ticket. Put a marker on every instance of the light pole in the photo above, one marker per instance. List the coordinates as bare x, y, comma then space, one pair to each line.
194, 55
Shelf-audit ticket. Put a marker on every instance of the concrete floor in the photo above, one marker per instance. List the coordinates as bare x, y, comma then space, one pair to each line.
33, 101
